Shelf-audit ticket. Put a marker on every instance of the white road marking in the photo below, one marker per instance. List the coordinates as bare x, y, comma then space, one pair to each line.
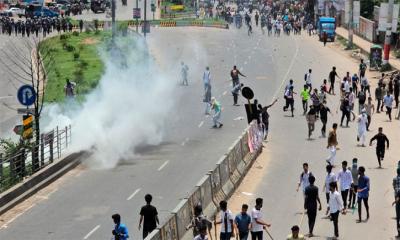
238, 118
3, 97
163, 165
245, 62
201, 124
91, 232
247, 193
224, 93
133, 194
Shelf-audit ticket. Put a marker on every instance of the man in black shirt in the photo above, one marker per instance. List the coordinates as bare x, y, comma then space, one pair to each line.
310, 204
149, 217
381, 139
332, 75
323, 113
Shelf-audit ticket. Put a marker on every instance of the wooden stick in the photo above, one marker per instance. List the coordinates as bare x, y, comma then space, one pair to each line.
268, 233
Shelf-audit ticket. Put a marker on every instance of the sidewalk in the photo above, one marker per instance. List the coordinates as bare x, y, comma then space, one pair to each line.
366, 45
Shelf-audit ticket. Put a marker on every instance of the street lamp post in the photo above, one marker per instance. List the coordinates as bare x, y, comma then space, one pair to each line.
113, 18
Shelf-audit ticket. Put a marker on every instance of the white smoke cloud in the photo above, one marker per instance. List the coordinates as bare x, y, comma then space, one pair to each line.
128, 108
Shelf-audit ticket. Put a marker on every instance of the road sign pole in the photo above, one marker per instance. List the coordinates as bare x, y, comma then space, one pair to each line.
145, 15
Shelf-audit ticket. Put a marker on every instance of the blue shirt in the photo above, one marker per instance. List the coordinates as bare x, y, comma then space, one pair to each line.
243, 222
363, 184
122, 230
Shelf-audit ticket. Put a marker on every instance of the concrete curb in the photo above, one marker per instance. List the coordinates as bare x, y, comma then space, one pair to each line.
39, 180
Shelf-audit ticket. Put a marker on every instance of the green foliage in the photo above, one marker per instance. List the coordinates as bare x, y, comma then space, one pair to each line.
75, 33
8, 147
386, 67
85, 69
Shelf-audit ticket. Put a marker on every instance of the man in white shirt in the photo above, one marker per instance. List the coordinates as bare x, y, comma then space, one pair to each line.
202, 233
345, 179
226, 222
304, 182
330, 178
362, 121
308, 79
388, 102
335, 207
257, 224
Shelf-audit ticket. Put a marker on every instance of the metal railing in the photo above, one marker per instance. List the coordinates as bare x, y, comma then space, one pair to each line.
219, 184
29, 160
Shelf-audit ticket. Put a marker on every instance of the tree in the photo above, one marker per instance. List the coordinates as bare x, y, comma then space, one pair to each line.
25, 64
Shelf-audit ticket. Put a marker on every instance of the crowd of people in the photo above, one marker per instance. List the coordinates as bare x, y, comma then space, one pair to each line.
35, 26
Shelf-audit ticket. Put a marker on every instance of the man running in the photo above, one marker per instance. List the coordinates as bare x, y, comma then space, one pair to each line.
235, 92
206, 78
307, 78
235, 76
332, 145
332, 75
257, 223
323, 113
311, 118
310, 205
381, 139
330, 178
289, 96
362, 121
120, 231
305, 96
388, 102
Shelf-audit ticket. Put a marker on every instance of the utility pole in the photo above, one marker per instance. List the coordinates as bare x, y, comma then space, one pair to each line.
350, 26
113, 19
137, 20
145, 20
388, 36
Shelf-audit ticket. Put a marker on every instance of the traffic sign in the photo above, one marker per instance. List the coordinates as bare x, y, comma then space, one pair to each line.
26, 95
25, 110
18, 129
247, 93
136, 13
28, 126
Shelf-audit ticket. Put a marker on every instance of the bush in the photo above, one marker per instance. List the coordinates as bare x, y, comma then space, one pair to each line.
75, 33
64, 36
386, 67
97, 32
69, 47
76, 55
88, 31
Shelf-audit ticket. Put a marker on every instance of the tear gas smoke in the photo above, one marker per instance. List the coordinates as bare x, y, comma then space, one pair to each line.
128, 108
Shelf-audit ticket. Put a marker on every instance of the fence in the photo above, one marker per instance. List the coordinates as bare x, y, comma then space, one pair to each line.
215, 186
28, 160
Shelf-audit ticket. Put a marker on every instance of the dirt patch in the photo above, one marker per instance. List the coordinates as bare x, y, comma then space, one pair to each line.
90, 41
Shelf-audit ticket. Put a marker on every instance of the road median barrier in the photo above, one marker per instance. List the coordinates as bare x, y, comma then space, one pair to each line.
217, 185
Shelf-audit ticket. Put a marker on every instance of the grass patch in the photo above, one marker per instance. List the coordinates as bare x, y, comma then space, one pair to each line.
76, 57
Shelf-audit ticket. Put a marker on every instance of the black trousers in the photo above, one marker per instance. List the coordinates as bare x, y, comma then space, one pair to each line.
365, 200
380, 154
332, 87
389, 112
380, 105
398, 217
335, 220
312, 215
323, 129
369, 122
235, 98
327, 197
344, 197
257, 235
347, 115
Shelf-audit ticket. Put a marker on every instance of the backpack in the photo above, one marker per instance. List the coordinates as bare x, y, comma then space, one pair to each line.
302, 174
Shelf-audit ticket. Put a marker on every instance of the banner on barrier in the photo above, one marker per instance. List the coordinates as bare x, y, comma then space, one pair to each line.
255, 137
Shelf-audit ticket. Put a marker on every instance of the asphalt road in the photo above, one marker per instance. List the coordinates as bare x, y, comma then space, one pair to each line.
276, 175
190, 148
9, 84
